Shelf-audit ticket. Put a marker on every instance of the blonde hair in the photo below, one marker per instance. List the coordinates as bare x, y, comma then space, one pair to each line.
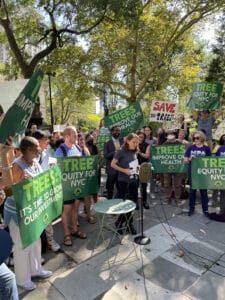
68, 130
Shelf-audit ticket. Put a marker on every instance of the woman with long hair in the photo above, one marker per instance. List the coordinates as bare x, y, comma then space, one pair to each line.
143, 156
126, 163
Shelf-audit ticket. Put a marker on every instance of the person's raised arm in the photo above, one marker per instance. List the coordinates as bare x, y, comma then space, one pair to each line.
219, 111
194, 114
7, 157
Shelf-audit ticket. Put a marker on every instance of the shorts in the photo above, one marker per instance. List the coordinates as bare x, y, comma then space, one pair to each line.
69, 202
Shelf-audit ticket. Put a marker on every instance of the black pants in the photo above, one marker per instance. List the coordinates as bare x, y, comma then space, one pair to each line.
143, 192
127, 190
110, 184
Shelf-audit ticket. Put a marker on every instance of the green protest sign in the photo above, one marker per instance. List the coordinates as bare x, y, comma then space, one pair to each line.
17, 117
208, 173
38, 202
206, 95
129, 119
79, 176
168, 158
101, 139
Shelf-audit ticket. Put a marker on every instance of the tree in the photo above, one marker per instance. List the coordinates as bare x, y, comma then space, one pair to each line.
72, 96
132, 49
216, 70
131, 57
38, 25
35, 28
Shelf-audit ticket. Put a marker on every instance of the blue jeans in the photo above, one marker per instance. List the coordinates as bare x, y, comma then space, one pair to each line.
8, 288
192, 198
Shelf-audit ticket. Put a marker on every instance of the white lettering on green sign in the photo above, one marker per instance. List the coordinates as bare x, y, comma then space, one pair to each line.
40, 184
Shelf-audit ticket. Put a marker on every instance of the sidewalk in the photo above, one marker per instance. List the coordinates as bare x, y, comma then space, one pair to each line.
185, 260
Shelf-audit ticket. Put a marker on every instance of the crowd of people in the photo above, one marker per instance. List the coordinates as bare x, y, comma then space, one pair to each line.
38, 151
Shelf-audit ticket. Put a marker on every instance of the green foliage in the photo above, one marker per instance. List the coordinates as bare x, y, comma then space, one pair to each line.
216, 70
133, 52
139, 62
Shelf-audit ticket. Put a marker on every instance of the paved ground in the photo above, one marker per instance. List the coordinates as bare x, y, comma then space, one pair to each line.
185, 260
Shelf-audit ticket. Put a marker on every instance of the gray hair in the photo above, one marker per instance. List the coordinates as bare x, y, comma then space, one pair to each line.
201, 134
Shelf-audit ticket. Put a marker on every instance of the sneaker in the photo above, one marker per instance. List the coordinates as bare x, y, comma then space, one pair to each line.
44, 274
206, 213
180, 202
190, 213
53, 246
29, 286
146, 205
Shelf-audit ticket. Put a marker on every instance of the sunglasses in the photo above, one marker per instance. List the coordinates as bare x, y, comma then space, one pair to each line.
196, 137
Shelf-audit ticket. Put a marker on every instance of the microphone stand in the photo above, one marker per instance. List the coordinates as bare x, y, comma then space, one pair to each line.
142, 239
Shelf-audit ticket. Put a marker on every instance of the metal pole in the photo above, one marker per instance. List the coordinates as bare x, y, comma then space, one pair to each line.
106, 110
50, 98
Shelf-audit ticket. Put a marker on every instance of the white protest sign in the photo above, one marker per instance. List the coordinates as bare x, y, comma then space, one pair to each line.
220, 129
59, 128
162, 111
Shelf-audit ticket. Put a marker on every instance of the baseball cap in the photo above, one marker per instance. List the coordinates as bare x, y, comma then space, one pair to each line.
206, 110
40, 134
5, 245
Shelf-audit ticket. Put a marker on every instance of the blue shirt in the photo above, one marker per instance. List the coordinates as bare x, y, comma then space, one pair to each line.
73, 151
207, 125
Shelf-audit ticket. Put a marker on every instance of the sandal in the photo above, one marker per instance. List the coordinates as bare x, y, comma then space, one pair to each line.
67, 240
91, 220
79, 234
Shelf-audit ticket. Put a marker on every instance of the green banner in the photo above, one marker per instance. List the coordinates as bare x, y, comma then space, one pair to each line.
129, 119
208, 173
79, 176
17, 117
206, 95
168, 158
101, 139
38, 202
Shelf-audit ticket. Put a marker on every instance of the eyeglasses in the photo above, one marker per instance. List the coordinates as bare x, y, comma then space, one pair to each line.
196, 137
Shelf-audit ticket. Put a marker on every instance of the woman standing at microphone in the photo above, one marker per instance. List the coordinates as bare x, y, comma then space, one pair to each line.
126, 163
